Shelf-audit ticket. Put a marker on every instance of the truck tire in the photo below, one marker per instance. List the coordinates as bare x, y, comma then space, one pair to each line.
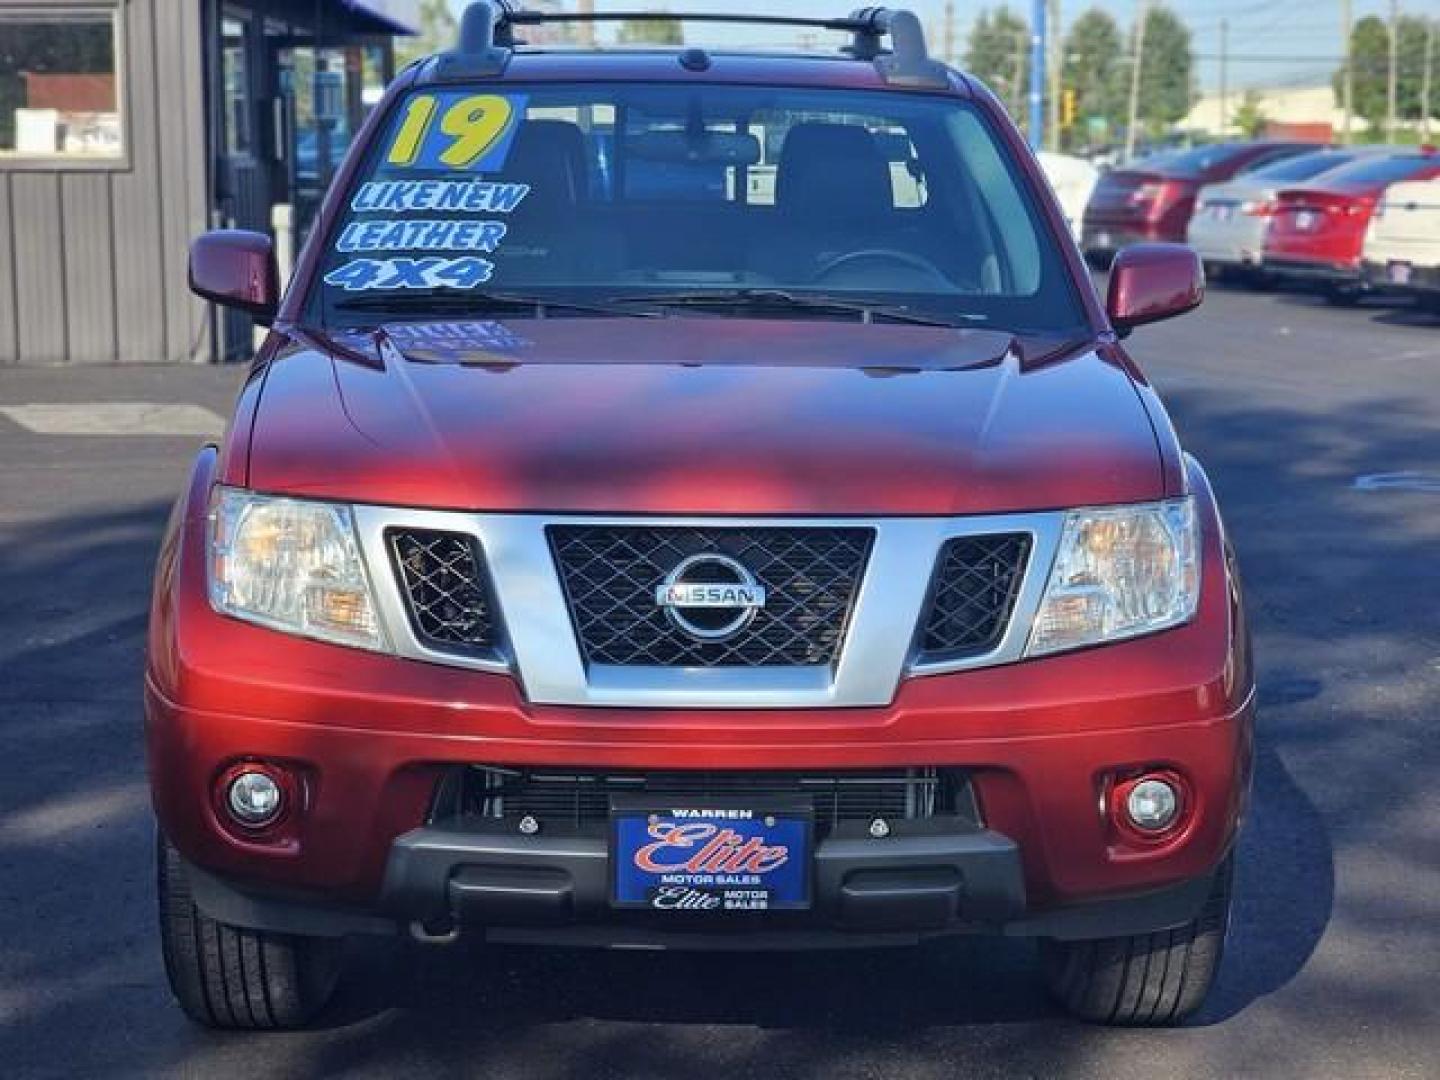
1143, 980
229, 977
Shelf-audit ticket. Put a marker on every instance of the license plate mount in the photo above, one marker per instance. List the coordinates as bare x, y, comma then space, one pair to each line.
710, 855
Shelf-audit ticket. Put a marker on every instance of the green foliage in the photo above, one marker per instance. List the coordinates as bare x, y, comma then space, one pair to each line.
1248, 117
999, 55
1370, 54
651, 32
1093, 54
438, 31
1167, 89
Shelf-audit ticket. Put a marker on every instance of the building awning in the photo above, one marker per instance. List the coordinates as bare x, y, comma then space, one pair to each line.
385, 16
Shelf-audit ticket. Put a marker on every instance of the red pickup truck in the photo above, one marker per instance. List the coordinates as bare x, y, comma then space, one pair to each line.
691, 499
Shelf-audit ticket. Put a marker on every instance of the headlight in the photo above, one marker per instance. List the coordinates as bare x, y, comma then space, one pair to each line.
291, 565
1118, 573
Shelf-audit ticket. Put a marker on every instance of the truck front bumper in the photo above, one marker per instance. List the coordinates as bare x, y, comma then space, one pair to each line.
440, 882
368, 739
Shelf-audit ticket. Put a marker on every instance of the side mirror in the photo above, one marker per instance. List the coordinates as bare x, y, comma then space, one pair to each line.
1150, 282
236, 269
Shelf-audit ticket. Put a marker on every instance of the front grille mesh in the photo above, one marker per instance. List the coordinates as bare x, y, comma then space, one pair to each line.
976, 582
611, 574
443, 581
582, 799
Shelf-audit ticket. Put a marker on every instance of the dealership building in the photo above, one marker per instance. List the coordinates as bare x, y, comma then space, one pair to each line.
129, 126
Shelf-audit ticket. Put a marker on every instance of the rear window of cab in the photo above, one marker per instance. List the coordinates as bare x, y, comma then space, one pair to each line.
604, 191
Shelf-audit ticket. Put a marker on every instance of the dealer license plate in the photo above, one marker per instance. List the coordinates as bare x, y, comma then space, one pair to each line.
710, 857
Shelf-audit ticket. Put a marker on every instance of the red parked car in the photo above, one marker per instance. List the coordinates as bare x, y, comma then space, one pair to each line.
1153, 200
603, 555
1317, 232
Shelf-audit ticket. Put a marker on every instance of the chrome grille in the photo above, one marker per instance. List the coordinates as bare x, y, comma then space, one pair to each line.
581, 799
442, 579
611, 574
977, 579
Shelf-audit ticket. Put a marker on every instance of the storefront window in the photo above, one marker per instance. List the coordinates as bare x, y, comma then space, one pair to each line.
59, 92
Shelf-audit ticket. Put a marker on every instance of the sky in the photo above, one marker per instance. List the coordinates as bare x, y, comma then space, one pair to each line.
1273, 43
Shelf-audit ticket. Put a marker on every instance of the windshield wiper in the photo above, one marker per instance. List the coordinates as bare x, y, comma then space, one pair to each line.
781, 299
469, 301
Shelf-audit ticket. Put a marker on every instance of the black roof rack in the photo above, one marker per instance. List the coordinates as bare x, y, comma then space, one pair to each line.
487, 38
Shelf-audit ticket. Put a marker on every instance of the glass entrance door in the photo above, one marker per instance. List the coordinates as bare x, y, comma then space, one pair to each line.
314, 113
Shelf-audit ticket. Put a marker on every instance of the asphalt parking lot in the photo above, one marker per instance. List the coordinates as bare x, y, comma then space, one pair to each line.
1321, 431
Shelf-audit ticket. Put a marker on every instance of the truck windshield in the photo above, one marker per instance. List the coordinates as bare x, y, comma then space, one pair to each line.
630, 199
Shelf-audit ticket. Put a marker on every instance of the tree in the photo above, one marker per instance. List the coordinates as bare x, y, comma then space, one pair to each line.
651, 32
999, 55
1092, 67
438, 30
1370, 53
1248, 117
1167, 89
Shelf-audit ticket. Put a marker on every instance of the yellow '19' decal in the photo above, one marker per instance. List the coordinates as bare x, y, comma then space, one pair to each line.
476, 123
418, 114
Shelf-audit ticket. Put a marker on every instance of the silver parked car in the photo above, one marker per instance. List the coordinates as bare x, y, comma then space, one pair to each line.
1228, 226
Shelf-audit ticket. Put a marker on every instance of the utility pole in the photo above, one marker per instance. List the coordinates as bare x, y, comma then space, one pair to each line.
949, 38
1057, 63
1391, 82
1016, 100
1425, 80
1224, 75
1037, 74
1348, 95
1137, 61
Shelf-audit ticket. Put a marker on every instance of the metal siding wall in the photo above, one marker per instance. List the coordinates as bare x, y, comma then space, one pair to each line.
9, 302
139, 203
178, 39
39, 275
197, 203
89, 264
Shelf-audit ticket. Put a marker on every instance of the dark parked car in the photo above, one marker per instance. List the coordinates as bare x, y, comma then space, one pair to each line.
1153, 199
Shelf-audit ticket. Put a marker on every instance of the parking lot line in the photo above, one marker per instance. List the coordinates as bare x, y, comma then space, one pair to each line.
114, 418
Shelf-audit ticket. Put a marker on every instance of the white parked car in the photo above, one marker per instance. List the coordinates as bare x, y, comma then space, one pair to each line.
1073, 179
1227, 229
1402, 246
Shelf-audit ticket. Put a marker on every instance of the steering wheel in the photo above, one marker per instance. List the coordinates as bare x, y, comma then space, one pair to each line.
882, 255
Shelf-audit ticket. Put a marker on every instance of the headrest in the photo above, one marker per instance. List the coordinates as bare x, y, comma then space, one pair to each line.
550, 156
832, 170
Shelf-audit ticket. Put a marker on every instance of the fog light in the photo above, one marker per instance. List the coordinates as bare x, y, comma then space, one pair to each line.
1152, 805
254, 798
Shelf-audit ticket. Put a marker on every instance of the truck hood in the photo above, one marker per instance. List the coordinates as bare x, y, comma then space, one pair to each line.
701, 416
